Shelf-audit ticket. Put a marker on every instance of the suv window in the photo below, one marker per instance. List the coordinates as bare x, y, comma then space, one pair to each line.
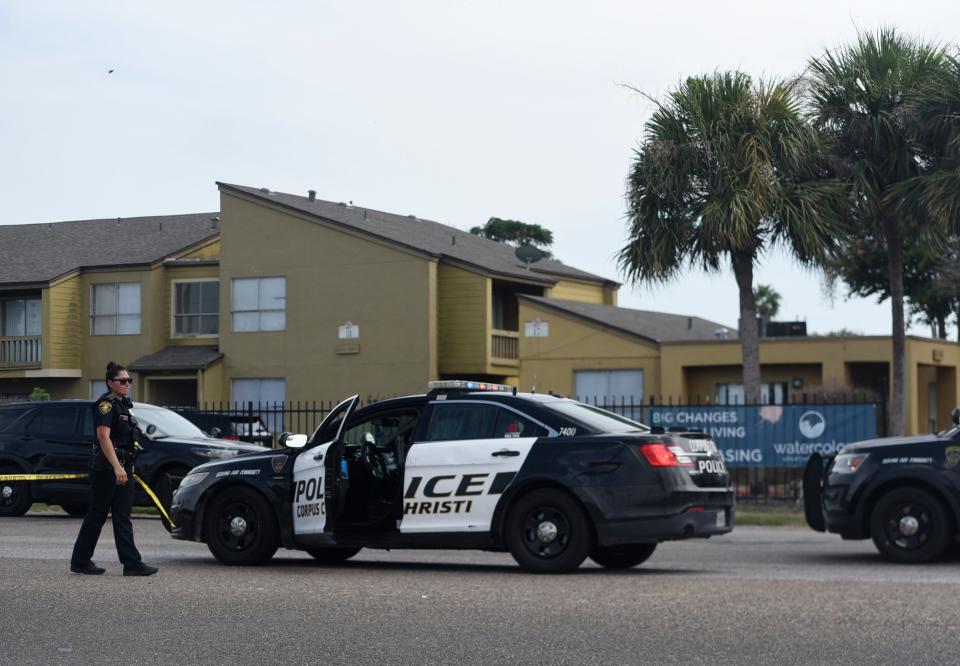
453, 421
54, 420
11, 414
511, 424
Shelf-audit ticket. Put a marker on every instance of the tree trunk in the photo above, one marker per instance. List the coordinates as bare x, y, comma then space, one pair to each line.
942, 327
895, 265
749, 344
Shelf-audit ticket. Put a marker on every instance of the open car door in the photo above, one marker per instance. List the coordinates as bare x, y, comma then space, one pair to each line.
315, 489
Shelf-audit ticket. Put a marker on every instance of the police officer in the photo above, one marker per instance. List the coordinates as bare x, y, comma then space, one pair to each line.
111, 477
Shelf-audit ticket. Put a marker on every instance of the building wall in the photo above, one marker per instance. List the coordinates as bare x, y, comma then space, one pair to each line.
209, 251
332, 276
62, 329
548, 363
701, 382
464, 302
97, 350
574, 290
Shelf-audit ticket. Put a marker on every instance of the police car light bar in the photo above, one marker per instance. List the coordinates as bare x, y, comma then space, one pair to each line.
464, 385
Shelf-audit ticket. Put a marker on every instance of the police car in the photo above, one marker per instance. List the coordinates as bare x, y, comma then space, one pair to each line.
468, 465
903, 492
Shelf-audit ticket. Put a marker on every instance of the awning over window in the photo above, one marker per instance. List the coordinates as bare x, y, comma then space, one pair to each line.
182, 357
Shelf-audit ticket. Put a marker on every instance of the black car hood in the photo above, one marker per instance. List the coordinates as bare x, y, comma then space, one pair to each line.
886, 442
245, 459
210, 443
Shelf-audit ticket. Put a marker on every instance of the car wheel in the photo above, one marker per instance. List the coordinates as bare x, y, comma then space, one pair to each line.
910, 525
15, 497
75, 509
166, 483
332, 555
623, 557
548, 532
240, 527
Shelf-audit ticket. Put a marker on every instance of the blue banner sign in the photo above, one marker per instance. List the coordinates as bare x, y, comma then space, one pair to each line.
773, 435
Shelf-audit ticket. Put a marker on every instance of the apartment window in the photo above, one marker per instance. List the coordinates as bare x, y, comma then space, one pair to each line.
115, 309
259, 304
266, 396
21, 317
619, 391
771, 393
196, 308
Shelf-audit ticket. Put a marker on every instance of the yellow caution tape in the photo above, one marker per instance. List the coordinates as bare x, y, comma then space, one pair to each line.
156, 500
60, 477
40, 477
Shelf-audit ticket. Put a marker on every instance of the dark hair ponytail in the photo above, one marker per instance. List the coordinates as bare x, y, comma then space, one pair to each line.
113, 369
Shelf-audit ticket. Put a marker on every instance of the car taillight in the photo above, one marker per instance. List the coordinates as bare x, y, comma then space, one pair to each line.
662, 455
230, 437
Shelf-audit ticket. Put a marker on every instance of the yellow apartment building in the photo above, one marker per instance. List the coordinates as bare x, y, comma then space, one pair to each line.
274, 298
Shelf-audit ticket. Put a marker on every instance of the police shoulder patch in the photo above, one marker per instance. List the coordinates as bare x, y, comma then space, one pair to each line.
105, 407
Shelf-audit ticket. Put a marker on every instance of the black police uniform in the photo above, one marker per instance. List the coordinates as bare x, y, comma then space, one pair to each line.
105, 494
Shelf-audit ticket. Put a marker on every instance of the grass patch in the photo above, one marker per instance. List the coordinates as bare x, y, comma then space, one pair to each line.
770, 518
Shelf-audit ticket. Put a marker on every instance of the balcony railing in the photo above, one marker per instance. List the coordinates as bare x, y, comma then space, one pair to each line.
505, 347
20, 352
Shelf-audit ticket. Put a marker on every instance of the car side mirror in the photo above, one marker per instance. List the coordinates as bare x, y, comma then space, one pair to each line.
151, 429
215, 432
955, 415
292, 441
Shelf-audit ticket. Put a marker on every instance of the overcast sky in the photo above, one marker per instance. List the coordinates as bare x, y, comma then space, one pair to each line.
449, 110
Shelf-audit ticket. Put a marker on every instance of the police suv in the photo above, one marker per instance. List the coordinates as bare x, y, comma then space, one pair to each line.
469, 465
903, 492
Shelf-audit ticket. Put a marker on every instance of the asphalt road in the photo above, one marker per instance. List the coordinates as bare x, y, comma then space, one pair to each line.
759, 595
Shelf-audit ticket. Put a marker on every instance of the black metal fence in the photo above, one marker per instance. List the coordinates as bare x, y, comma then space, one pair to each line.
763, 453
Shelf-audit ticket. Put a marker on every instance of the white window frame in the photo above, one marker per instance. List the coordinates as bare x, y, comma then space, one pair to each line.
117, 314
260, 309
26, 318
274, 418
173, 309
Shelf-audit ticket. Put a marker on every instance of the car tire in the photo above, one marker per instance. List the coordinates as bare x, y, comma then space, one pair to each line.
547, 531
240, 527
910, 526
75, 509
623, 557
15, 496
332, 555
164, 487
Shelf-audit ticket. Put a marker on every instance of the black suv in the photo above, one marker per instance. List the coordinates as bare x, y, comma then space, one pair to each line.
903, 492
237, 427
57, 437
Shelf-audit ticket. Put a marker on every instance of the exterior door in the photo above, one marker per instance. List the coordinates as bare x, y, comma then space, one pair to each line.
454, 479
309, 473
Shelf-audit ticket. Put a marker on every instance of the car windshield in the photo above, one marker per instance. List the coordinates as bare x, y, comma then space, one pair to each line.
169, 424
598, 420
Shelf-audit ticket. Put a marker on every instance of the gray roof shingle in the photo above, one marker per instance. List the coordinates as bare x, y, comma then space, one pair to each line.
434, 238
32, 253
654, 326
181, 357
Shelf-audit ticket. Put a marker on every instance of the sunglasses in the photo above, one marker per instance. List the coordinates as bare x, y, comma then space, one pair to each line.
123, 380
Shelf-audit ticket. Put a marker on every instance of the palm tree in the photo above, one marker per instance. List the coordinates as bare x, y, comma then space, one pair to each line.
768, 301
727, 169
881, 107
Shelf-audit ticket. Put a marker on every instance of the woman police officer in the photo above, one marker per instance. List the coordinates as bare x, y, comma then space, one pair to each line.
111, 480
